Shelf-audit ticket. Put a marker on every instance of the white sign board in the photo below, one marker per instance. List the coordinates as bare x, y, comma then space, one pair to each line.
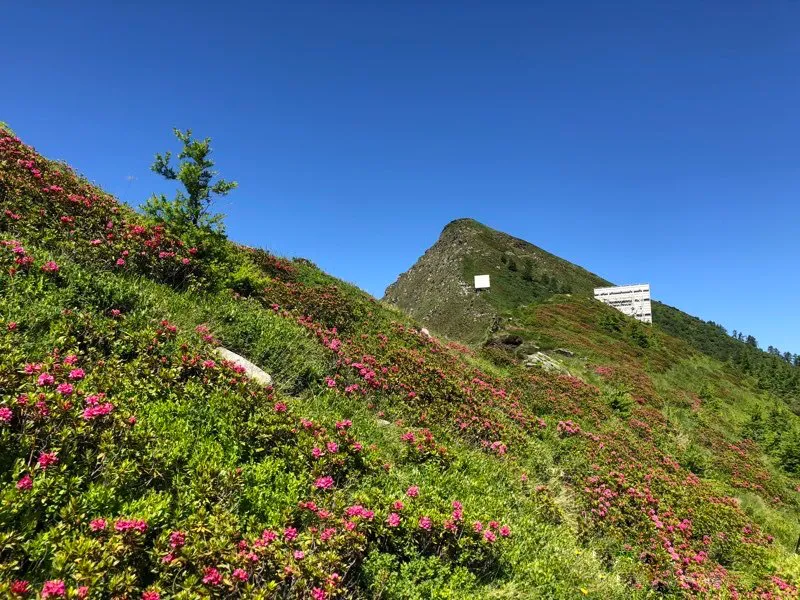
481, 282
633, 300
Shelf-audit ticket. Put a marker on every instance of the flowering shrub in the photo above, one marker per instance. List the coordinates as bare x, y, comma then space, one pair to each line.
135, 463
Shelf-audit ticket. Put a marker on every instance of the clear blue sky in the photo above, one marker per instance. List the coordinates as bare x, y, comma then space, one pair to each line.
358, 130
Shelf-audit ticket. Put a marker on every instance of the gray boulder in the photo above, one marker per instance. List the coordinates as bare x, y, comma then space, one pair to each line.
252, 371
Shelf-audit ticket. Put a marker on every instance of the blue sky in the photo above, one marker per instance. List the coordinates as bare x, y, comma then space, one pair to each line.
358, 130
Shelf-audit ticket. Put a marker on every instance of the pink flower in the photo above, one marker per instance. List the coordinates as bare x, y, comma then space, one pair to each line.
20, 587
55, 588
280, 407
82, 591
5, 414
97, 525
77, 374
151, 595
46, 459
505, 531
97, 410
65, 389
121, 263
393, 520
11, 326
46, 379
330, 382
408, 436
477, 526
398, 505
70, 360
324, 483
50, 267
25, 483
240, 574
425, 523
318, 594
489, 536
177, 539
289, 534
299, 555
344, 425
412, 492
317, 452
332, 447
211, 576
124, 525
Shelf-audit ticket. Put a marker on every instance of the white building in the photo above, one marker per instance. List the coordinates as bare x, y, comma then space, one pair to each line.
633, 300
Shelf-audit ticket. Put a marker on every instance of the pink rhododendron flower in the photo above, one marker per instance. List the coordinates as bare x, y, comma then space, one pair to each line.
12, 326
20, 587
318, 594
425, 523
289, 534
97, 524
505, 531
211, 576
412, 492
50, 267
324, 483
124, 525
97, 410
240, 574
46, 459
5, 414
55, 588
330, 382
46, 379
82, 592
177, 539
317, 452
299, 554
151, 595
76, 374
70, 359
393, 520
280, 407
65, 389
332, 447
25, 483
489, 536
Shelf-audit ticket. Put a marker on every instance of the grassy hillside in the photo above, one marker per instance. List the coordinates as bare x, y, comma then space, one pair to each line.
134, 463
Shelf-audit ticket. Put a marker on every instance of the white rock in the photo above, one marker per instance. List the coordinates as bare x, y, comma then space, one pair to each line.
251, 370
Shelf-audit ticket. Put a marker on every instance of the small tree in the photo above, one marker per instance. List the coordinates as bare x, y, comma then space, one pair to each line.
195, 172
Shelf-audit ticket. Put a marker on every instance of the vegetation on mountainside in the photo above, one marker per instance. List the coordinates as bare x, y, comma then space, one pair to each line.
134, 463
775, 372
191, 210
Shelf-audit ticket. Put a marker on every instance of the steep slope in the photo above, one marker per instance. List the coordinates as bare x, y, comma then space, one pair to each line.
438, 289
134, 463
